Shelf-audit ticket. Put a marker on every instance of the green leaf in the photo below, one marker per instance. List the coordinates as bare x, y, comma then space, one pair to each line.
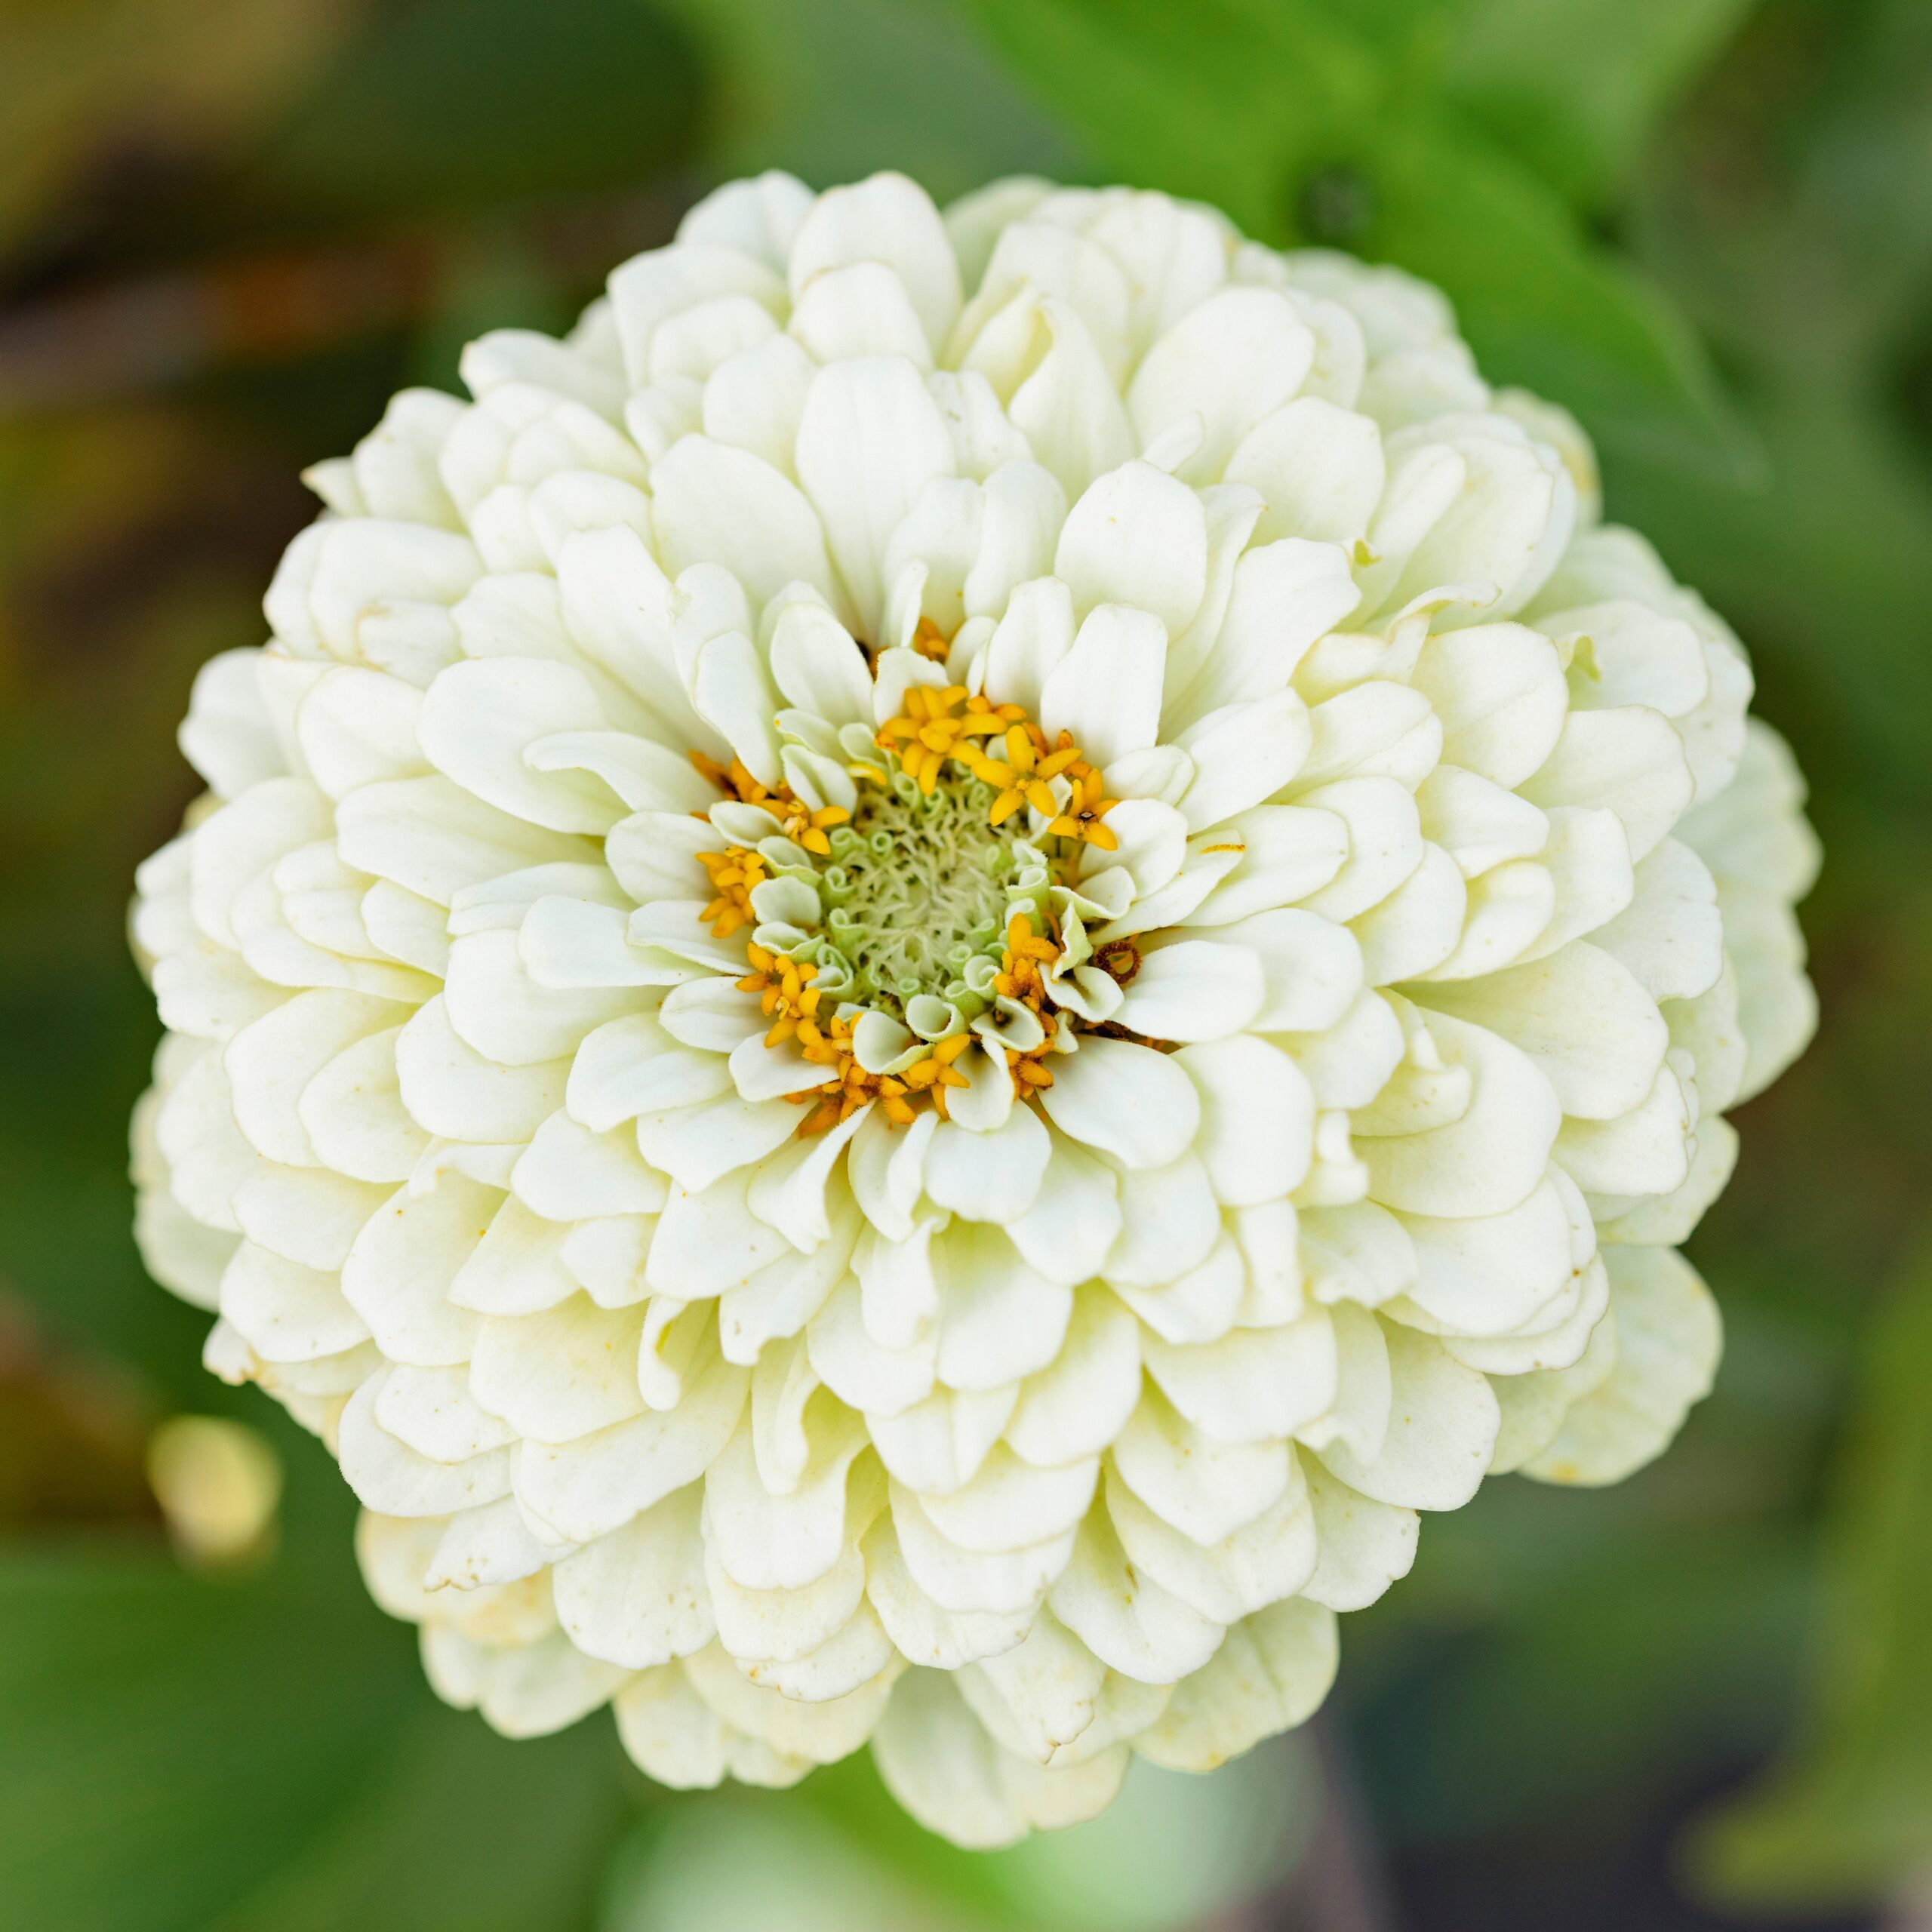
261, 1753
1543, 305
168, 1740
1827, 574
1228, 100
463, 104
1585, 1692
460, 1827
834, 89
1266, 110
1850, 1815
1575, 90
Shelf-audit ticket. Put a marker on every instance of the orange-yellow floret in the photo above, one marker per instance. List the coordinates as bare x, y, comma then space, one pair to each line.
733, 872
943, 722
1000, 745
788, 998
1018, 979
801, 825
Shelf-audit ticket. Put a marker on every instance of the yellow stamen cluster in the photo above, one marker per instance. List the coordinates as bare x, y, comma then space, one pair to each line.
929, 641
790, 1001
802, 826
733, 872
1018, 979
1002, 747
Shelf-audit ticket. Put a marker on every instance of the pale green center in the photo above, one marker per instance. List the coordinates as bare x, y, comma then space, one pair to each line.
917, 887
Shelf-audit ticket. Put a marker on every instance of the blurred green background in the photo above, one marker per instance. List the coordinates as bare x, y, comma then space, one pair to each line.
230, 228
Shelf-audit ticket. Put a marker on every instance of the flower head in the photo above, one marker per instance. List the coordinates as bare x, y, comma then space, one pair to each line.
918, 979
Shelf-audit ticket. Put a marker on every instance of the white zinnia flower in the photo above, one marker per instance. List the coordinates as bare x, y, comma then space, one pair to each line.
918, 979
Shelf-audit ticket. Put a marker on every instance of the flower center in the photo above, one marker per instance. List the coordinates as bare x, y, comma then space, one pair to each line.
928, 902
918, 885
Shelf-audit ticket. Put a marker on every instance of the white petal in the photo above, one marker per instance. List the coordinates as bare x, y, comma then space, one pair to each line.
922, 1632
432, 837
1284, 595
1241, 354
961, 1580
636, 1597
1261, 1563
1645, 1151
1490, 1158
1126, 1620
286, 1311
1204, 1487
938, 1761
1254, 1385
765, 1542
653, 287
1365, 1546
885, 218
758, 216
1442, 1427
713, 503
480, 717
1076, 1405
1137, 537
1106, 690
1243, 754
709, 1241
396, 1481
1032, 637
1500, 692
861, 310
1630, 759
585, 1489
1257, 1118
1287, 853
989, 1177
1126, 1100
1668, 1338
733, 691
560, 1373
1670, 936
1586, 1025
870, 440
1269, 1674
1193, 989
819, 667
1320, 469
1001, 1321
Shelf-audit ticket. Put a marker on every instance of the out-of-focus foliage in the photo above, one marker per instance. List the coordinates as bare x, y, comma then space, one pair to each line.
230, 228
1312, 122
1856, 1805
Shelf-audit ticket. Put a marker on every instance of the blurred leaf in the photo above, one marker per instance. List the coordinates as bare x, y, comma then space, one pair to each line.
1231, 101
1543, 307
1850, 1815
167, 1741
1639, 1657
1790, 207
1827, 571
1574, 89
834, 89
463, 104
259, 1753
1263, 108
459, 1828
